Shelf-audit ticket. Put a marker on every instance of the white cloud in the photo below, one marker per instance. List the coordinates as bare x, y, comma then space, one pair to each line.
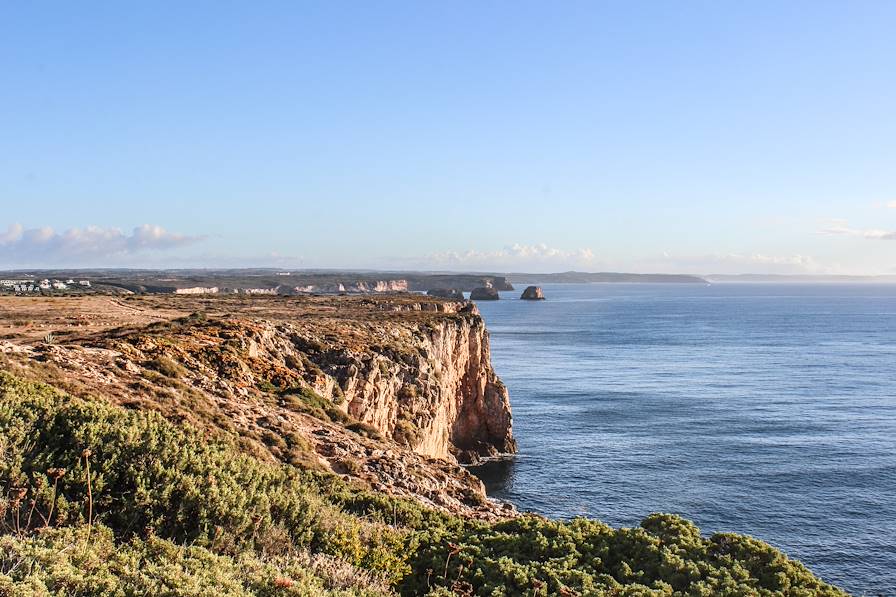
842, 228
45, 246
12, 234
735, 263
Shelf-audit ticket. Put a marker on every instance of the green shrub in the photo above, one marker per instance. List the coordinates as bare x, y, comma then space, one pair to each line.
666, 555
73, 561
308, 401
266, 386
148, 473
365, 429
349, 465
406, 433
157, 485
167, 367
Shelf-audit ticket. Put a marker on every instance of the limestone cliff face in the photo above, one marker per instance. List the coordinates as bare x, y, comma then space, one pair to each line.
197, 290
417, 369
359, 286
389, 389
429, 384
440, 396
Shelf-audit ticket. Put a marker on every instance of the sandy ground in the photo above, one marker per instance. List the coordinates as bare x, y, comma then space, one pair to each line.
28, 320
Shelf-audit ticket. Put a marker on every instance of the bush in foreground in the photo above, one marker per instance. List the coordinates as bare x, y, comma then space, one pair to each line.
145, 486
74, 561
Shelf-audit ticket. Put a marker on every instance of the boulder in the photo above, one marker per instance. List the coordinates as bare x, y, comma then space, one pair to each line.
484, 294
448, 293
532, 293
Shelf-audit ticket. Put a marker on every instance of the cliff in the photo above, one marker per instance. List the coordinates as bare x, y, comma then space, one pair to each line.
359, 286
432, 387
392, 390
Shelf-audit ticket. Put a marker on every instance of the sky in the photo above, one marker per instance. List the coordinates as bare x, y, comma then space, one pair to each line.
676, 137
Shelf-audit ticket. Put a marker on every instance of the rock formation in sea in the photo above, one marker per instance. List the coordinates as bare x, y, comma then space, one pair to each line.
448, 293
484, 294
532, 293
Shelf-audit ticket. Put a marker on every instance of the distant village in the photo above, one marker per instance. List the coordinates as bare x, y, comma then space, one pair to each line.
29, 285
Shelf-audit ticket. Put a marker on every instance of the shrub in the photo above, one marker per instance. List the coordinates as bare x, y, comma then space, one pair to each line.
308, 401
666, 555
72, 561
156, 485
406, 433
349, 466
149, 473
365, 429
167, 367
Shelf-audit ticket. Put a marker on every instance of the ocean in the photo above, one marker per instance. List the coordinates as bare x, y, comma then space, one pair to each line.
765, 409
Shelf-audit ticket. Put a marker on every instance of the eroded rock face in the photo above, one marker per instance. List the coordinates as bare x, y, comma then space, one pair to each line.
448, 293
532, 293
438, 393
354, 287
484, 294
414, 373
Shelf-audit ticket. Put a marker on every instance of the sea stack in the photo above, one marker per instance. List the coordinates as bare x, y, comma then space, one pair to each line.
448, 293
532, 293
484, 294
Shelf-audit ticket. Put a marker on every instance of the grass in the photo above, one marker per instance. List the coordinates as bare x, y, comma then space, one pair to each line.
167, 367
310, 402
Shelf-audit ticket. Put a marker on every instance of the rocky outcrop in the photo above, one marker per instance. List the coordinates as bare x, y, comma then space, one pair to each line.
448, 293
435, 390
197, 290
484, 294
532, 293
393, 390
359, 286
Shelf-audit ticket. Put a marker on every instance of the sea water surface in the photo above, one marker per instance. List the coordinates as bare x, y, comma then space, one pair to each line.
764, 409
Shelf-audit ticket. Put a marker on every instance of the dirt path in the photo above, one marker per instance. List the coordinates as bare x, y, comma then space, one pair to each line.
26, 320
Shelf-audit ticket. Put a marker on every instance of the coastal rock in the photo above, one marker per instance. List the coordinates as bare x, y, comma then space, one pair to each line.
359, 287
532, 293
392, 390
448, 293
484, 294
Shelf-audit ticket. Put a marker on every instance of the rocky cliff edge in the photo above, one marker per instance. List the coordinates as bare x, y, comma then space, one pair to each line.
392, 390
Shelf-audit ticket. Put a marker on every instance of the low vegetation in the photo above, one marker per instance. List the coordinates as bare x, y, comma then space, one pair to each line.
305, 400
71, 561
101, 500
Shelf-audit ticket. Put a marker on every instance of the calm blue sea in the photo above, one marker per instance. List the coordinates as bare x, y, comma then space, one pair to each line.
757, 408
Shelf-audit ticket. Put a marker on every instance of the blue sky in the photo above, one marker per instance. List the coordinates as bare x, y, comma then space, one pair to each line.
703, 137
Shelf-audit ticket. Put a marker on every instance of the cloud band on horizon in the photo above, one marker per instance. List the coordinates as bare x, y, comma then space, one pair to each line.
25, 246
